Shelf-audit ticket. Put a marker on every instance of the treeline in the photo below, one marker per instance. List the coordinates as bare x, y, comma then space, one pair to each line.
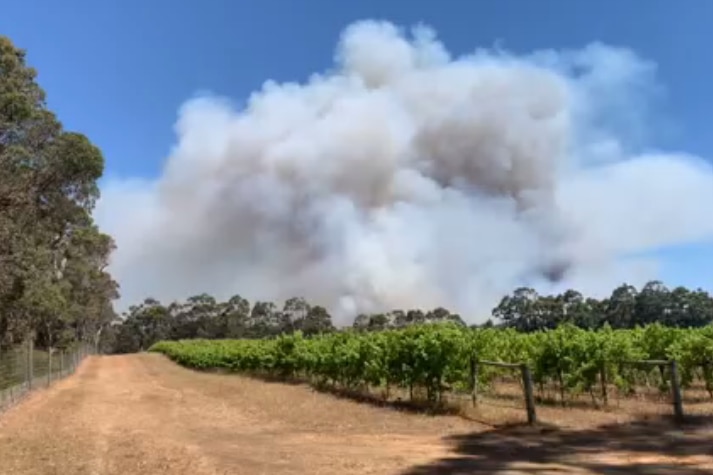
626, 307
54, 288
204, 317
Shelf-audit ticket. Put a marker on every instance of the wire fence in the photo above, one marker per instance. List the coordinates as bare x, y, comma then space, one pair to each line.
647, 386
24, 368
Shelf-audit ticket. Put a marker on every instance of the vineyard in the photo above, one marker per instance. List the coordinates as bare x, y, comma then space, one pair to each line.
439, 358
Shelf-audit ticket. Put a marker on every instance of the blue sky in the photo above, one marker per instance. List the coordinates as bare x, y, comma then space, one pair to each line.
118, 71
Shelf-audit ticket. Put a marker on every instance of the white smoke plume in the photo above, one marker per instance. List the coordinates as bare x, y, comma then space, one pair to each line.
407, 178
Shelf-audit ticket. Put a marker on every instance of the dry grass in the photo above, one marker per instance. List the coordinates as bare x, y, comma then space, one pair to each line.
503, 404
141, 414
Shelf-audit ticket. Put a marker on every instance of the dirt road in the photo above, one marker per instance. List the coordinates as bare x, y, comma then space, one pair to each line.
141, 414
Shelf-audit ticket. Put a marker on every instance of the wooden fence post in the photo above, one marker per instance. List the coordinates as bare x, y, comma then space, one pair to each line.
30, 361
49, 366
529, 394
474, 381
604, 382
676, 390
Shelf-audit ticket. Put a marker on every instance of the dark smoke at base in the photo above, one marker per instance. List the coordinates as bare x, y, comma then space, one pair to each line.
406, 178
555, 271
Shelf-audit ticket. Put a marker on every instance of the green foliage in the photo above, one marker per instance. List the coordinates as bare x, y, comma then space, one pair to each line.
204, 317
434, 355
526, 310
53, 283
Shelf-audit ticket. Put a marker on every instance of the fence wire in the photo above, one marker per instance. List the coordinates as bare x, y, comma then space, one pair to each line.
24, 368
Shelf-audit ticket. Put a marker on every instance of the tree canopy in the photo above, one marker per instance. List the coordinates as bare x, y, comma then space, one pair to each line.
54, 286
626, 307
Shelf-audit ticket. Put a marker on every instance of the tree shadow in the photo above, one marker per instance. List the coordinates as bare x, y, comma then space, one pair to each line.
365, 396
652, 445
361, 396
358, 395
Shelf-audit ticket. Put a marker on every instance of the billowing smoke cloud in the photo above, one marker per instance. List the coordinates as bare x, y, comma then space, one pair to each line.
406, 178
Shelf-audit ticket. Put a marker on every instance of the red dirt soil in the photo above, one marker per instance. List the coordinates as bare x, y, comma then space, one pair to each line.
141, 414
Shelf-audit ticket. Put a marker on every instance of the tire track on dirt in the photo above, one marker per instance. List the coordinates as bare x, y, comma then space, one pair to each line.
141, 414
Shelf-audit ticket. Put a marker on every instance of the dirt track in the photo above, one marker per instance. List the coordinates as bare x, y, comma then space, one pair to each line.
141, 414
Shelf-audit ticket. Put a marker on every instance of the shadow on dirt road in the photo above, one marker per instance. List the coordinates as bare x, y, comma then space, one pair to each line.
651, 446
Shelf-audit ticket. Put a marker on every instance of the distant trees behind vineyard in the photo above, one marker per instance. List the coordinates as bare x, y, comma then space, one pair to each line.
203, 316
626, 307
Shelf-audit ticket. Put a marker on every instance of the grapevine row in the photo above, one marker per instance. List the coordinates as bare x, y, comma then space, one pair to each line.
435, 357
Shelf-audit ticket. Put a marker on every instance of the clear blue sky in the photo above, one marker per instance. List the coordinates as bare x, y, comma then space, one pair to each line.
118, 70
